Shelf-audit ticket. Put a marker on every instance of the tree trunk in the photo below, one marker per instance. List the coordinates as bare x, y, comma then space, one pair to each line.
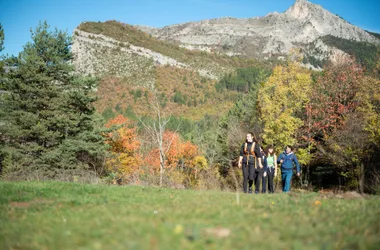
340, 184
162, 164
361, 178
157, 131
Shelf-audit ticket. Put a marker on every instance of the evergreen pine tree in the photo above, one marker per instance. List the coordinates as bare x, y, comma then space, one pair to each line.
48, 127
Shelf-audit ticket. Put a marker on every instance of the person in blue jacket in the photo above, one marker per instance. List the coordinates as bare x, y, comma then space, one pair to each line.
287, 159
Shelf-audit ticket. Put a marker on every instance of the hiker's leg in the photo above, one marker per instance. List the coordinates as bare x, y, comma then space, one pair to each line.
251, 177
270, 181
244, 168
288, 177
264, 180
283, 178
259, 176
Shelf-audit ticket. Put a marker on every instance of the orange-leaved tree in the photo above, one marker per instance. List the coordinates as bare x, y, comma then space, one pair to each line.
179, 155
124, 145
176, 151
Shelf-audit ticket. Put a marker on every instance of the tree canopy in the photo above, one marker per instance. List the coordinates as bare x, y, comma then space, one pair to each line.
48, 121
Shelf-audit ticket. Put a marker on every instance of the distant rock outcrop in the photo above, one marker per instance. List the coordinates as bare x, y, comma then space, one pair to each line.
273, 34
97, 54
303, 26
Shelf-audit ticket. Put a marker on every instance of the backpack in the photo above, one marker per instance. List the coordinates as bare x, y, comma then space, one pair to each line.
252, 150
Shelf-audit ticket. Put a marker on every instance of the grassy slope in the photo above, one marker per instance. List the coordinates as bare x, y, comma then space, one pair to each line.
199, 93
366, 54
55, 215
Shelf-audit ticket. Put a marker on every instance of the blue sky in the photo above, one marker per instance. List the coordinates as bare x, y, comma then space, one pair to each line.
19, 16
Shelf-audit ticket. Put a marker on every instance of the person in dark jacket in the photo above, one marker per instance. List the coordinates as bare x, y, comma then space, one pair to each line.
270, 165
249, 161
262, 173
287, 160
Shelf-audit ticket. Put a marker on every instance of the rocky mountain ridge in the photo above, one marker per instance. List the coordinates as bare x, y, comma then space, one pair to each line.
273, 34
114, 48
117, 49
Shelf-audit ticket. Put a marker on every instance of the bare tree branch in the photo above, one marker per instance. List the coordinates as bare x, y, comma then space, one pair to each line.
157, 130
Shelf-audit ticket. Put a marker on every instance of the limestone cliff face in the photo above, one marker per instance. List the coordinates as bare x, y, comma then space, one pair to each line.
275, 33
100, 55
115, 50
96, 54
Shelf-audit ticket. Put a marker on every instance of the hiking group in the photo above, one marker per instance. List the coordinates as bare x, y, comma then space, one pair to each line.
260, 167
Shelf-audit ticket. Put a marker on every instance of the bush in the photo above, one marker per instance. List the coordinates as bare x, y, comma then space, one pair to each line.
108, 113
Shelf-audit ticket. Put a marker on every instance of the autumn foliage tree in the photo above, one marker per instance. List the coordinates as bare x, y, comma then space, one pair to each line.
282, 99
181, 156
332, 121
342, 120
124, 160
177, 152
369, 94
333, 98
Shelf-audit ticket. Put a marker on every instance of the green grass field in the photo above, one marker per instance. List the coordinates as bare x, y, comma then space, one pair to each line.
55, 215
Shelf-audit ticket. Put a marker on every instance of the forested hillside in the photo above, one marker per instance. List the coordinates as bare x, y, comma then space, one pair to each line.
366, 54
185, 128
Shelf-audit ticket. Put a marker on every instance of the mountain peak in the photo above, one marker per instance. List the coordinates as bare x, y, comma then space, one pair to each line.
301, 9
275, 34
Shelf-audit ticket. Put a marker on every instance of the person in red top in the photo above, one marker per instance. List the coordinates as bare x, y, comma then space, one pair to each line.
249, 162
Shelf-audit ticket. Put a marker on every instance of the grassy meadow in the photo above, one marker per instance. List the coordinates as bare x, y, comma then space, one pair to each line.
56, 215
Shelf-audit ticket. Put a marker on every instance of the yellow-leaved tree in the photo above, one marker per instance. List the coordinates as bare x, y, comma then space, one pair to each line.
282, 99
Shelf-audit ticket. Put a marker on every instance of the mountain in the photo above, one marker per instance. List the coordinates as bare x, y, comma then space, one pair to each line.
131, 62
185, 63
275, 33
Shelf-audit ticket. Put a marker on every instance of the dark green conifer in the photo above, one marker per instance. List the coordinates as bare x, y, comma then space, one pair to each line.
48, 126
